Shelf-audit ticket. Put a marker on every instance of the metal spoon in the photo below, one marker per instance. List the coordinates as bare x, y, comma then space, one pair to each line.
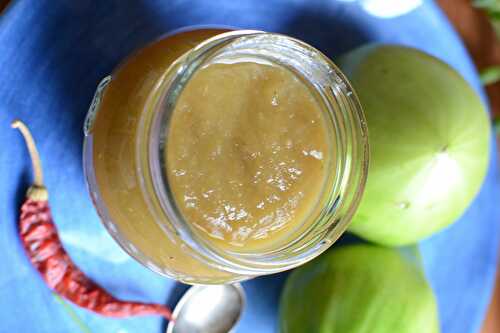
208, 309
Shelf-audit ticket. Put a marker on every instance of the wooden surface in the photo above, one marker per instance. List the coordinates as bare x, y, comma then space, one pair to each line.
480, 39
3, 4
483, 45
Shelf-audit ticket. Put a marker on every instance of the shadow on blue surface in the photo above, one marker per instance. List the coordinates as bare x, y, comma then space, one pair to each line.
175, 295
331, 32
24, 181
82, 43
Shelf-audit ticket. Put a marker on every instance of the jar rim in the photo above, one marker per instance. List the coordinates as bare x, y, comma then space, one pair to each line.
348, 124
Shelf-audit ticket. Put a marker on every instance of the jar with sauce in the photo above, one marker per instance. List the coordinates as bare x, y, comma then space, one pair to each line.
214, 156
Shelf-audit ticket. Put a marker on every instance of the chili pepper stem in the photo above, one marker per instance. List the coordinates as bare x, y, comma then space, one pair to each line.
37, 191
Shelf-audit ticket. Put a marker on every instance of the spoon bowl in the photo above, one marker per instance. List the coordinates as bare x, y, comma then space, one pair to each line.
208, 309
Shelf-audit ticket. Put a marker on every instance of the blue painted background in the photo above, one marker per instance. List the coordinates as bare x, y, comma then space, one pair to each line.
52, 55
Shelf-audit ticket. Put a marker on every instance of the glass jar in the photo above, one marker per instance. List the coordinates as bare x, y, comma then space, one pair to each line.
125, 140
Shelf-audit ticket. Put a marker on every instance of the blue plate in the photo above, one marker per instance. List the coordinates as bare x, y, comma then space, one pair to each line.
53, 54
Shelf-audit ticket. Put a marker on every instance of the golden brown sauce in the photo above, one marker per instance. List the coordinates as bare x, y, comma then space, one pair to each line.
247, 154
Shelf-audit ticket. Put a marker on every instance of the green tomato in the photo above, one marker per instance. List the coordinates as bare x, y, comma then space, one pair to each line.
429, 140
358, 289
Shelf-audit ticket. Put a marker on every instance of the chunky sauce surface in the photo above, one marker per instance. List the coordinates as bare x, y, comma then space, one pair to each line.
247, 154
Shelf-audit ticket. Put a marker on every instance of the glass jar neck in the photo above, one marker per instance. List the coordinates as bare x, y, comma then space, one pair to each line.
346, 126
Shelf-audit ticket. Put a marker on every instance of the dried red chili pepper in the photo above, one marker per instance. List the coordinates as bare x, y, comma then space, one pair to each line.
46, 253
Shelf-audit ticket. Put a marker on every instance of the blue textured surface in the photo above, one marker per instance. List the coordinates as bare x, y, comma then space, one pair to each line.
52, 55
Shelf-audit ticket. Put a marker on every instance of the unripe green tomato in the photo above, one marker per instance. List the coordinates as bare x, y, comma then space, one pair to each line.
358, 289
429, 138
